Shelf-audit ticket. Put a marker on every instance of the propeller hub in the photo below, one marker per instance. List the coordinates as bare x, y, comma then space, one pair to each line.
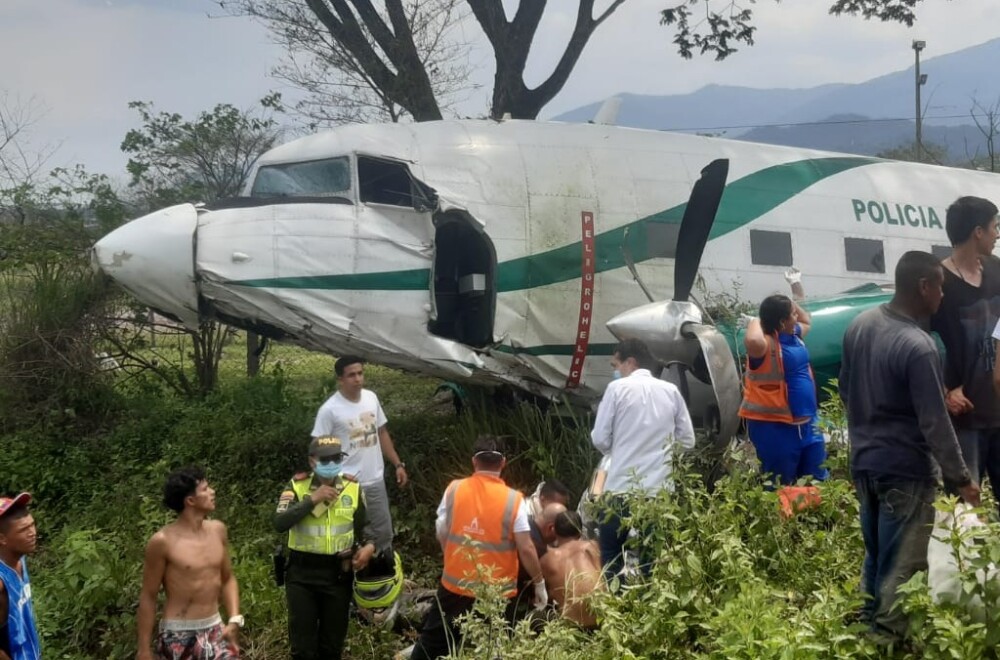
660, 325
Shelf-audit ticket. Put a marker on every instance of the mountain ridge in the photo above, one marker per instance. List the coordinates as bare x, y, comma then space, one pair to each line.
882, 108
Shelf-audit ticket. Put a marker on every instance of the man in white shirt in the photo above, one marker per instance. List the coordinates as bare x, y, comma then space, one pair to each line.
355, 415
641, 420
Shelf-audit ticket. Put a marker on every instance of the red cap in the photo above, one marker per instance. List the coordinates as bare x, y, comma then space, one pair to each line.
7, 503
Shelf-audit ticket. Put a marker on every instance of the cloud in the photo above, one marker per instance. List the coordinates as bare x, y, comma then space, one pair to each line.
86, 59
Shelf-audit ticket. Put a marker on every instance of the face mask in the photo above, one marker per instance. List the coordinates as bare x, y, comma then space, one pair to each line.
327, 470
615, 375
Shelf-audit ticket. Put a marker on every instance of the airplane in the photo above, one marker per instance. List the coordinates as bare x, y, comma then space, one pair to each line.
516, 252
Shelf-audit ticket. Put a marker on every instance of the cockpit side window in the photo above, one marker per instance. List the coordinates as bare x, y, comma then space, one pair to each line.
389, 182
315, 178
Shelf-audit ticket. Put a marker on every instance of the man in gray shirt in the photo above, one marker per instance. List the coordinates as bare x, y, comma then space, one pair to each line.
891, 382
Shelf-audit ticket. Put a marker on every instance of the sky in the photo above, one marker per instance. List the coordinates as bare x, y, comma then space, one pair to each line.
78, 63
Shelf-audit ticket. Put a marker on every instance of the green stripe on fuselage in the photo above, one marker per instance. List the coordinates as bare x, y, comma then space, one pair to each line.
743, 202
418, 279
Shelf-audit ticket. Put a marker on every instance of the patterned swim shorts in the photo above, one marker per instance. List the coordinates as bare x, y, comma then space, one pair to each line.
199, 639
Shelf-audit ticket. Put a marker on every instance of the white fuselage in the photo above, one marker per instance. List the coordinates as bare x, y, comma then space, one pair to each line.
532, 228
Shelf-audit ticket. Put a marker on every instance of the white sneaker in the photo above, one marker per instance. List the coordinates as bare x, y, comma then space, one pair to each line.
405, 653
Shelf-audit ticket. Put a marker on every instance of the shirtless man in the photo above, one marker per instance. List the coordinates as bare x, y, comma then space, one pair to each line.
189, 558
572, 569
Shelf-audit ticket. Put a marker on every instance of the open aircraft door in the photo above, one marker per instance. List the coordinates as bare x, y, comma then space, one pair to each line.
463, 280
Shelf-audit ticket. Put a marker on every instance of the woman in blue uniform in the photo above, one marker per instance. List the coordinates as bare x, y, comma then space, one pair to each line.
779, 400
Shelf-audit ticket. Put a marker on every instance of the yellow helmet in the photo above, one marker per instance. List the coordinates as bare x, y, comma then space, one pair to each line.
378, 592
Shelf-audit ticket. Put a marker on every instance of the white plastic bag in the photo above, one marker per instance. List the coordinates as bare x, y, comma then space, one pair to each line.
942, 573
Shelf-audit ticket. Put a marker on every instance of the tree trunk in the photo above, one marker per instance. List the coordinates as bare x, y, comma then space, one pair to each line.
253, 356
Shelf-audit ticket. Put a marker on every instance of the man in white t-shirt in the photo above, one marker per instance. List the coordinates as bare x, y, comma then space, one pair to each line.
355, 415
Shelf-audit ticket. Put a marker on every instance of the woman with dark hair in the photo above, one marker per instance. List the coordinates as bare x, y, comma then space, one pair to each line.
779, 394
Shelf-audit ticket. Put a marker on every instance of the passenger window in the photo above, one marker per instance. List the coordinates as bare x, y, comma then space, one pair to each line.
390, 182
942, 252
316, 178
864, 255
770, 248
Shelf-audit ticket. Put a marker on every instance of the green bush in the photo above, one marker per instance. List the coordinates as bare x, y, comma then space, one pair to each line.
968, 624
732, 577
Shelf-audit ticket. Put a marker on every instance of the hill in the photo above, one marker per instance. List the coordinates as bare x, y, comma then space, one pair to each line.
865, 118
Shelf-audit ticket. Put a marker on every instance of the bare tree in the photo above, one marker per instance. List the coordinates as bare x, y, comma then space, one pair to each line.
22, 164
403, 53
511, 41
987, 120
338, 88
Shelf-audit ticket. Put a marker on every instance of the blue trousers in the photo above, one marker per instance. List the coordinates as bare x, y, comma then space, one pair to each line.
789, 451
612, 536
897, 516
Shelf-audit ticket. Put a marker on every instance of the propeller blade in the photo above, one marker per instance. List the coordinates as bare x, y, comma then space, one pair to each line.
699, 214
725, 380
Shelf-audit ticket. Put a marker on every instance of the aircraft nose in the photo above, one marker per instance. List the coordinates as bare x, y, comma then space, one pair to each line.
152, 257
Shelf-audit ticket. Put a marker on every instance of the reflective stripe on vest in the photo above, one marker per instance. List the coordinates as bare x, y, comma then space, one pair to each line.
765, 393
479, 545
333, 530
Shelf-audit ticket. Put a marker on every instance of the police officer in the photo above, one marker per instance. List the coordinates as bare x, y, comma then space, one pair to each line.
323, 512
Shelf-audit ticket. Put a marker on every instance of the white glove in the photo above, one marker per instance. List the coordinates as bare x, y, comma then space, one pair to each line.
793, 275
541, 596
744, 321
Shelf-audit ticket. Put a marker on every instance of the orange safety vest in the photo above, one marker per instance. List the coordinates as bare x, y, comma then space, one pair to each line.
479, 547
765, 392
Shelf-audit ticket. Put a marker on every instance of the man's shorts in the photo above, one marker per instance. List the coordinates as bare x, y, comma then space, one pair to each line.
197, 639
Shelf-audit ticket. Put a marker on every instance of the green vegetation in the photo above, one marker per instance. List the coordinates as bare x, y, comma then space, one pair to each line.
93, 445
734, 580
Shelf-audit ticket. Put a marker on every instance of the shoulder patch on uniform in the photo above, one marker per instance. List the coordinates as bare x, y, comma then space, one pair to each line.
286, 499
299, 476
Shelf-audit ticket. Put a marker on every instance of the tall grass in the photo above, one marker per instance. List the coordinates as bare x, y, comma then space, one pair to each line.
49, 321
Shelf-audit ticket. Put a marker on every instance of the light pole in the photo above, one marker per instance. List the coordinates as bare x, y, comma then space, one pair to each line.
918, 81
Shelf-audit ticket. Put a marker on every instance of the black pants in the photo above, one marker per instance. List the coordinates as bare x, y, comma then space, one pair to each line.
439, 634
319, 597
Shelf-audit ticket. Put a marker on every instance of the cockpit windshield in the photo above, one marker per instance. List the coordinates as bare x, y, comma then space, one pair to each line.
315, 178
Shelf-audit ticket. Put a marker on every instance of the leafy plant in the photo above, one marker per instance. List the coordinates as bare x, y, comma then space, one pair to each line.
966, 623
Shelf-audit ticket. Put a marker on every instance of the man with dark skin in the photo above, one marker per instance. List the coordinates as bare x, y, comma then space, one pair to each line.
189, 560
901, 438
573, 569
18, 636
